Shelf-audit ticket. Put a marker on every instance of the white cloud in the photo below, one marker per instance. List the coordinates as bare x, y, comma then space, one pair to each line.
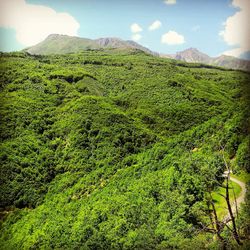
136, 37
155, 25
236, 28
196, 28
33, 23
169, 2
172, 38
135, 28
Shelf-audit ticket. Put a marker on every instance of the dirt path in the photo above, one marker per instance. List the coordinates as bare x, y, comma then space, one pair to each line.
240, 198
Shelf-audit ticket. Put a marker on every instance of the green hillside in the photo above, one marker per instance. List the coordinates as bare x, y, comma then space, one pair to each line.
62, 44
108, 150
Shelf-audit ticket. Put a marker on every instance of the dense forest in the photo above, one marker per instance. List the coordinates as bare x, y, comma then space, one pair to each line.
119, 150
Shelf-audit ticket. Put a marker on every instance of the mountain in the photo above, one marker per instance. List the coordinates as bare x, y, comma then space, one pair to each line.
63, 44
231, 62
193, 55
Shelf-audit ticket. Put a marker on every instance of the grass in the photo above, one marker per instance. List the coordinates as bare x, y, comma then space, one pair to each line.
242, 176
220, 202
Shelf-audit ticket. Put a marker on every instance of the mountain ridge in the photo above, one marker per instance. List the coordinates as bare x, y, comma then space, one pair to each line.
193, 55
64, 44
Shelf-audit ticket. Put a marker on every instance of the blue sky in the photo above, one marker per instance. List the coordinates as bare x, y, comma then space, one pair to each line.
180, 24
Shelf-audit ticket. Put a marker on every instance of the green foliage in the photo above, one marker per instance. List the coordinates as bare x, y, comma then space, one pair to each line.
103, 150
243, 154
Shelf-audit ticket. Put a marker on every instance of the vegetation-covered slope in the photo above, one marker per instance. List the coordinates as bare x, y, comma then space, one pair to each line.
63, 44
115, 151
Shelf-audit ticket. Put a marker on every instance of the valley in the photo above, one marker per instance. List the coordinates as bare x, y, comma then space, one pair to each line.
118, 149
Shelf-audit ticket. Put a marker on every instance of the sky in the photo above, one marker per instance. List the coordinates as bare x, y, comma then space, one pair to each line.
214, 27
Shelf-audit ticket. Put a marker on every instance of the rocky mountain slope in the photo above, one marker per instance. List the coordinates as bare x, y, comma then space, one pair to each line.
63, 44
193, 55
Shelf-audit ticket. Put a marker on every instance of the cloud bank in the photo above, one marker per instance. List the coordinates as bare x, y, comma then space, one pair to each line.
172, 38
237, 30
33, 23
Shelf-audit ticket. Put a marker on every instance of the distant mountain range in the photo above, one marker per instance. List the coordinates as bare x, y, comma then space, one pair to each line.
193, 55
63, 44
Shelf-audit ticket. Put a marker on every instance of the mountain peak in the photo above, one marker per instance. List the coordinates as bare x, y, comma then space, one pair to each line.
111, 42
225, 56
54, 36
192, 55
192, 49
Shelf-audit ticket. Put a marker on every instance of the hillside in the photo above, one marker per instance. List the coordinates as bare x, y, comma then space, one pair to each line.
63, 44
120, 150
193, 55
